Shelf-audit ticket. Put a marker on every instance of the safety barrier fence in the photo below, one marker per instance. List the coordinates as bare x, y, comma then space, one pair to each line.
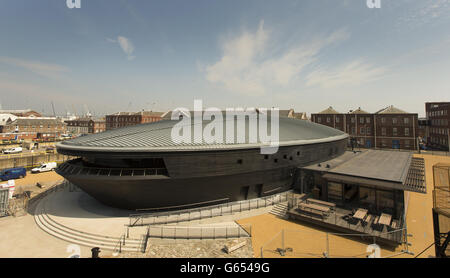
31, 161
205, 212
199, 232
341, 219
429, 152
58, 187
309, 243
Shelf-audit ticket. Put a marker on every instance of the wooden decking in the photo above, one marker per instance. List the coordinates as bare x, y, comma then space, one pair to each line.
340, 221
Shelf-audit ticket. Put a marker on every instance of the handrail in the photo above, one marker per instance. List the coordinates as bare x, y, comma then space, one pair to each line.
118, 246
100, 171
200, 232
225, 209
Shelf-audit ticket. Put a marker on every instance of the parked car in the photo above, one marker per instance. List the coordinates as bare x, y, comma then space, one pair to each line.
45, 167
13, 173
50, 150
13, 150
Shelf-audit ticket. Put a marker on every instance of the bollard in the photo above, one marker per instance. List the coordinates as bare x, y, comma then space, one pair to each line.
95, 251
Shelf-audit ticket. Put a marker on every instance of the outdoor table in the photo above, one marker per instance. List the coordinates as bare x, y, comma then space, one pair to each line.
360, 214
385, 219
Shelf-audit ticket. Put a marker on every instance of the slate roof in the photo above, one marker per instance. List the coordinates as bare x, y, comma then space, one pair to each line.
391, 110
156, 136
329, 110
35, 121
388, 169
359, 111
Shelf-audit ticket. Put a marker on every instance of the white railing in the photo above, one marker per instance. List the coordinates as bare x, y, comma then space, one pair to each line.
195, 232
205, 212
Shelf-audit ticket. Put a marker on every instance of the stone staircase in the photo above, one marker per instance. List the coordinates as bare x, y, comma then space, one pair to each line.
280, 210
53, 228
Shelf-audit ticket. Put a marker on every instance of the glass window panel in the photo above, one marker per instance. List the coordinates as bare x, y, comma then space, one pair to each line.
385, 201
367, 197
334, 191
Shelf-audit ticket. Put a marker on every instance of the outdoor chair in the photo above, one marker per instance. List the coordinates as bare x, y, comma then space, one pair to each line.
375, 222
367, 220
394, 225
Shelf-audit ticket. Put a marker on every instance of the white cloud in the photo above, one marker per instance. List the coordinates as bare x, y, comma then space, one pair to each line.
126, 45
246, 68
423, 12
43, 69
352, 74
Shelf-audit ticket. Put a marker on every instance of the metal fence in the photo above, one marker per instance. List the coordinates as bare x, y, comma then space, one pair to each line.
441, 201
196, 232
4, 198
429, 152
58, 187
73, 169
30, 161
311, 243
205, 212
339, 217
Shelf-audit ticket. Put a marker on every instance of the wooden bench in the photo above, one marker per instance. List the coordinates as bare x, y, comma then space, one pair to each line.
320, 202
316, 209
299, 198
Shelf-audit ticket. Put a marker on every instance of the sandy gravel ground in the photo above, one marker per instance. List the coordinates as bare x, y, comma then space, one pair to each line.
192, 249
47, 179
20, 237
308, 241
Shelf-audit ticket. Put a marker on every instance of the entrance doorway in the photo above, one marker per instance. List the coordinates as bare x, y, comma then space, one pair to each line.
251, 192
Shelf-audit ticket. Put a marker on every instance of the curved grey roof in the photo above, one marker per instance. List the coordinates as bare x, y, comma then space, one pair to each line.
156, 137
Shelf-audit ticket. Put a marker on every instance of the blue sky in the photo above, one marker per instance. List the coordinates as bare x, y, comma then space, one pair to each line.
128, 55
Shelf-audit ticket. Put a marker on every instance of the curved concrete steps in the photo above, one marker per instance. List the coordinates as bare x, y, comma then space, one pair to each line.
50, 226
280, 210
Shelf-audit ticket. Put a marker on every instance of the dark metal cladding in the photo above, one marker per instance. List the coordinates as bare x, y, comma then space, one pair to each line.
139, 167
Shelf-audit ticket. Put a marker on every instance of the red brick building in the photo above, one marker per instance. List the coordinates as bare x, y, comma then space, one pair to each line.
388, 128
438, 116
18, 136
122, 119
44, 128
85, 126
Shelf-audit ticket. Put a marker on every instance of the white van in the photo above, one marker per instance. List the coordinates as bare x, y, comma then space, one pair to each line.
13, 150
45, 167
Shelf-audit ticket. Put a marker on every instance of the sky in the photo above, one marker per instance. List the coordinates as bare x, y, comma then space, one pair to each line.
129, 55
